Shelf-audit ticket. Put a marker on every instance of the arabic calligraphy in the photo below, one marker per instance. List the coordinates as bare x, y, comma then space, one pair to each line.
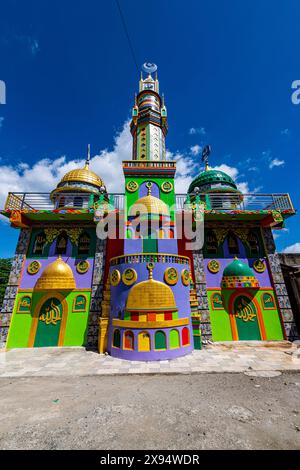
51, 315
245, 311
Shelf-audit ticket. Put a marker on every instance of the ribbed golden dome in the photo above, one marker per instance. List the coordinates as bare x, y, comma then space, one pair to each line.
57, 275
83, 175
150, 295
149, 205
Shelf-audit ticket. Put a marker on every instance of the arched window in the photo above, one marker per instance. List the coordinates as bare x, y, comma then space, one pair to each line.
117, 339
185, 336
144, 343
61, 244
84, 244
129, 340
211, 242
160, 340
233, 245
174, 339
268, 301
39, 244
253, 243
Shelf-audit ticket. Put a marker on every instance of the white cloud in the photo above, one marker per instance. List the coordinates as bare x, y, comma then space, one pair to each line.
44, 175
1, 121
276, 162
253, 168
242, 186
285, 132
196, 149
34, 46
197, 130
292, 248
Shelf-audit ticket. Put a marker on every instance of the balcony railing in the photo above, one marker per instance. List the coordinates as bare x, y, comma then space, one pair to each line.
221, 201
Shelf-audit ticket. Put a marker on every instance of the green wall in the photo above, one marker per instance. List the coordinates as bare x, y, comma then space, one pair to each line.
220, 321
76, 326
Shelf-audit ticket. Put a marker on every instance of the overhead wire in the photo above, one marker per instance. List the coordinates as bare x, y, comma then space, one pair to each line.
127, 34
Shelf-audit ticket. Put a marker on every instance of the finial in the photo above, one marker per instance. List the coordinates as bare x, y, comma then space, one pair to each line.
205, 154
150, 267
149, 186
88, 157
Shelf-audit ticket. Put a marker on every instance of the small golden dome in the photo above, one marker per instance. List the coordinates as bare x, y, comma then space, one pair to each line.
149, 205
57, 275
151, 295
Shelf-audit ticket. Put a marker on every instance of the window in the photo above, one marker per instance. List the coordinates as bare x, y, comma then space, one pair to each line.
84, 244
174, 339
79, 304
216, 301
117, 339
211, 242
129, 340
233, 246
78, 201
185, 336
268, 301
253, 243
39, 244
61, 244
160, 340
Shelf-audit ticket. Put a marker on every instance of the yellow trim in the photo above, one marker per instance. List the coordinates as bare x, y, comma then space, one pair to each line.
82, 289
149, 324
74, 301
233, 288
21, 298
150, 254
35, 319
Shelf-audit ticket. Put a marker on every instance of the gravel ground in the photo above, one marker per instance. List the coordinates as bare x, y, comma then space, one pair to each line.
201, 411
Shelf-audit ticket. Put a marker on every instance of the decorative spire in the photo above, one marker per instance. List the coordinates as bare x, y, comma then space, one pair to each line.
88, 157
150, 267
205, 154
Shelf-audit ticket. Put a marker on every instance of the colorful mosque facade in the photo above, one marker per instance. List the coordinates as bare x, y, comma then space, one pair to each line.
142, 292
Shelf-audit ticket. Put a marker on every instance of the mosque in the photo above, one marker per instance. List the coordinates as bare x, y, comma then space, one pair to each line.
142, 291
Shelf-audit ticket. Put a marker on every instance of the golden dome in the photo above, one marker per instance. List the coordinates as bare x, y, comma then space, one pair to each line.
151, 295
149, 205
83, 175
57, 275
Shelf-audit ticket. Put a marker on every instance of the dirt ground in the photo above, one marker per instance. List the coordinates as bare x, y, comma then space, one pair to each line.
201, 411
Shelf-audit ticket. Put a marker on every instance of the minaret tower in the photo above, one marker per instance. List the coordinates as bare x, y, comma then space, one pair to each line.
149, 118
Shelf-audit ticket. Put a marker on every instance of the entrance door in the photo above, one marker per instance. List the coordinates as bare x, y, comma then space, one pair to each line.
49, 323
245, 315
144, 341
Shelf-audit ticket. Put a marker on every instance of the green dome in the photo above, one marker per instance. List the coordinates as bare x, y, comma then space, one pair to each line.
238, 268
210, 179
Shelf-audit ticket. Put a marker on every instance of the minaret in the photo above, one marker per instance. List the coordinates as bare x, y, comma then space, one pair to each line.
149, 119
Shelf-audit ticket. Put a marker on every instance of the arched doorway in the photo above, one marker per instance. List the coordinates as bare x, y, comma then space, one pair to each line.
245, 317
49, 322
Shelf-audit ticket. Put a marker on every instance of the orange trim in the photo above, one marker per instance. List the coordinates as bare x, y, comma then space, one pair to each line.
259, 315
35, 319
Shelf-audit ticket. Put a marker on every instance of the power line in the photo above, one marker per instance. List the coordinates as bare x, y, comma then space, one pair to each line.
127, 35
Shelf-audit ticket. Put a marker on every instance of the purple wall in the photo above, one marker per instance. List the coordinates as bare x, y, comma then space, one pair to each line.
82, 280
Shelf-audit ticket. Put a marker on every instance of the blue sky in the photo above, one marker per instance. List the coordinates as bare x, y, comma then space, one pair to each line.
226, 68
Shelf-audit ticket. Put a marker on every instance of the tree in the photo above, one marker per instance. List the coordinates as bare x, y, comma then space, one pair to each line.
5, 267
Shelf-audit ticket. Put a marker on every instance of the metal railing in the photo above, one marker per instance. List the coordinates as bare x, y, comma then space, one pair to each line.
217, 201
